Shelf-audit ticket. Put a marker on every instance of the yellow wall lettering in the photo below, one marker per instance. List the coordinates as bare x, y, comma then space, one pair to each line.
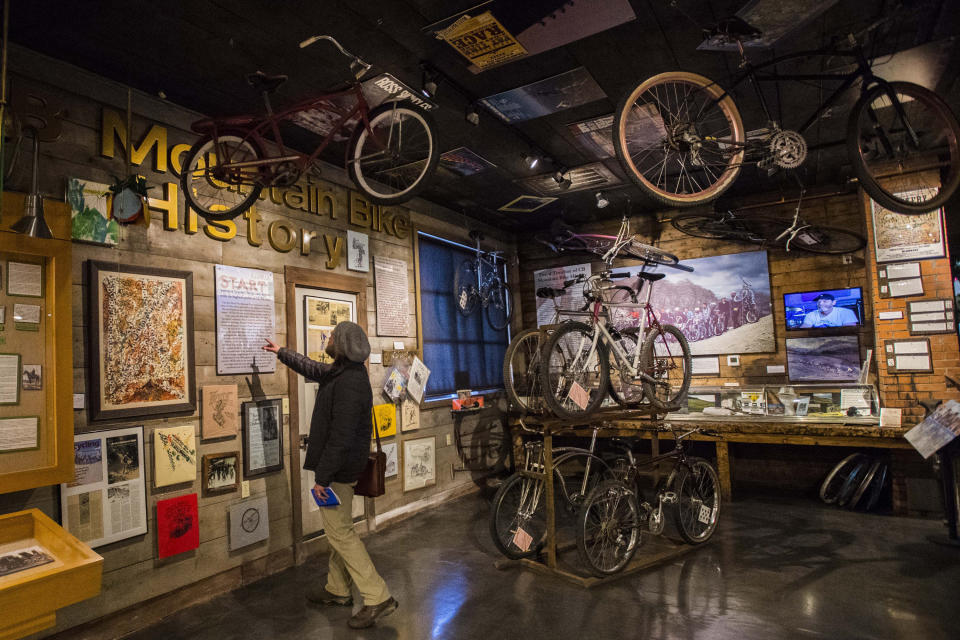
176, 157
221, 230
334, 250
305, 238
294, 198
359, 210
169, 205
113, 128
288, 233
253, 227
401, 226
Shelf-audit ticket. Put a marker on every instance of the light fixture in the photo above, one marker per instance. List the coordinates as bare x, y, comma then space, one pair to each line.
562, 179
601, 201
531, 160
32, 223
428, 82
472, 115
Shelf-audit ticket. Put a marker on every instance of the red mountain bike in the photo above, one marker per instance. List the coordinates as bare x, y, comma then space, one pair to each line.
392, 149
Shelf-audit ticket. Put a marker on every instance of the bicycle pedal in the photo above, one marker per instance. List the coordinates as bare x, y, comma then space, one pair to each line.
669, 497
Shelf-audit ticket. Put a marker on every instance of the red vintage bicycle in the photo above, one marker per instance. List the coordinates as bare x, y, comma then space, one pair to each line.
392, 150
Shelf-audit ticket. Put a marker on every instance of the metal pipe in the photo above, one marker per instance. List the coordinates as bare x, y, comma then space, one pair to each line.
3, 93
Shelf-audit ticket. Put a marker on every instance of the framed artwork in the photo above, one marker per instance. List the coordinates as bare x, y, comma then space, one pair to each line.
410, 412
419, 463
249, 523
900, 236
262, 437
141, 341
358, 251
823, 359
31, 377
90, 220
178, 526
106, 501
220, 411
385, 419
390, 450
221, 472
174, 455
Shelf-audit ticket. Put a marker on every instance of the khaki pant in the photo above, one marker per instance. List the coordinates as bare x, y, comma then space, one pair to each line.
349, 561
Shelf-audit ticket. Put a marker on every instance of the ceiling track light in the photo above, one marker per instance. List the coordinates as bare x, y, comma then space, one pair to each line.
562, 178
531, 160
601, 201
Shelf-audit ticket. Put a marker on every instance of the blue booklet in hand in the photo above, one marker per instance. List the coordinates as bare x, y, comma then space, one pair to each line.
332, 499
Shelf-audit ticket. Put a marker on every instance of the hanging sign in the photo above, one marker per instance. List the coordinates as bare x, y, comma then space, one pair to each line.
482, 40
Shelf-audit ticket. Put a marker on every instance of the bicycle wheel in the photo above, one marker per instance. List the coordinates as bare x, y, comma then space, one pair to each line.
574, 376
830, 488
853, 481
623, 389
518, 520
215, 192
698, 500
699, 225
828, 240
898, 173
867, 480
608, 528
666, 358
499, 308
391, 161
521, 372
876, 489
679, 137
653, 255
465, 289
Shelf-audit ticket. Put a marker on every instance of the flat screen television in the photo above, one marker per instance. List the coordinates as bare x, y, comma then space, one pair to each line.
824, 309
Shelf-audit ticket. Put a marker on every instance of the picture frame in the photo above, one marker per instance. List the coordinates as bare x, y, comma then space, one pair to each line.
178, 525
358, 251
262, 437
221, 472
419, 463
174, 455
249, 522
828, 358
220, 411
158, 305
900, 236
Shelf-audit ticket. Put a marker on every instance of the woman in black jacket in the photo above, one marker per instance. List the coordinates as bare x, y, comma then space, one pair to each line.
337, 453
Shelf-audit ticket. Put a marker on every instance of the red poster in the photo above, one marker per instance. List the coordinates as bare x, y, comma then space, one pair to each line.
177, 525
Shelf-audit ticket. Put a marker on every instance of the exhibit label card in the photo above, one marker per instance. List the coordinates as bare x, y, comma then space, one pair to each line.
9, 378
245, 318
19, 434
393, 305
24, 279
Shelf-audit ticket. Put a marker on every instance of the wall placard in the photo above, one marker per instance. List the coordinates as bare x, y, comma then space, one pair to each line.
926, 317
245, 316
899, 280
908, 356
393, 304
705, 366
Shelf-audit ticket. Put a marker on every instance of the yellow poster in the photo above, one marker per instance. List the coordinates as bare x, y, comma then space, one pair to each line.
385, 419
483, 41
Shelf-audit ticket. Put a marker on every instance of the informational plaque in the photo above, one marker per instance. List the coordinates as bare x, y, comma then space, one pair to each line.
19, 434
9, 378
393, 303
25, 279
572, 299
245, 318
927, 317
911, 356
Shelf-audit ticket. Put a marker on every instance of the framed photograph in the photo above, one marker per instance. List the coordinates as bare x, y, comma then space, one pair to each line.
419, 463
900, 236
221, 472
31, 377
262, 437
141, 341
178, 525
174, 455
825, 359
220, 413
358, 251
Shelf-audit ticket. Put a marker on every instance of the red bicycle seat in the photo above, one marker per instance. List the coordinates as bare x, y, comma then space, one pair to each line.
262, 82
207, 125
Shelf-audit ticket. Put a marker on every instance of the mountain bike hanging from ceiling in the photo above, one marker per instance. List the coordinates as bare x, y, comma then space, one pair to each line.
479, 282
679, 136
391, 155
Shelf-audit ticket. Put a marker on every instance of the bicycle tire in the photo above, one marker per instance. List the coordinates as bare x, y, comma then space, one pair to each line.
852, 481
414, 152
644, 119
466, 296
564, 365
608, 528
657, 359
884, 176
521, 372
649, 254
518, 504
697, 487
211, 197
622, 389
831, 485
876, 488
828, 240
864, 484
499, 308
699, 225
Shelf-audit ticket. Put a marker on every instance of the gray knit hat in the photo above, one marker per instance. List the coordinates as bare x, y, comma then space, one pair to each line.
350, 341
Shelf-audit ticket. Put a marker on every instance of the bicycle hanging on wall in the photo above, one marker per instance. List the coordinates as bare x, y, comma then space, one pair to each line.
679, 136
392, 150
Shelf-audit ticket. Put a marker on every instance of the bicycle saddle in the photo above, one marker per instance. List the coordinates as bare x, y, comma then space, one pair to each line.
264, 83
548, 292
736, 28
651, 277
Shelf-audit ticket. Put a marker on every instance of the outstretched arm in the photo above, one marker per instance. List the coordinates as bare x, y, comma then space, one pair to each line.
308, 368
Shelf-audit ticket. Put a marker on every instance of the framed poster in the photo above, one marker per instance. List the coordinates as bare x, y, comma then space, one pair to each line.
174, 455
262, 437
410, 412
106, 501
220, 413
358, 251
90, 220
390, 450
900, 236
221, 472
141, 341
823, 359
245, 314
178, 525
249, 523
419, 463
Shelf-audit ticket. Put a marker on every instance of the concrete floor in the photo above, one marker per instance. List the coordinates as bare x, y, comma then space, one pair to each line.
775, 569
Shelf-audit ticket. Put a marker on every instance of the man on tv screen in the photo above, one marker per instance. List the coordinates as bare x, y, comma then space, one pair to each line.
826, 315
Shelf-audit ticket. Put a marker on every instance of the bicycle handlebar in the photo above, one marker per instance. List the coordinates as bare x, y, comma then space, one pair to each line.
357, 65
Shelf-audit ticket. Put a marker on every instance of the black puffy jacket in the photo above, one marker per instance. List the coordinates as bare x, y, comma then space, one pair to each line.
342, 424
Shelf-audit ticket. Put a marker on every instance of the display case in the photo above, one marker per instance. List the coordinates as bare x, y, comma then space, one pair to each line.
790, 402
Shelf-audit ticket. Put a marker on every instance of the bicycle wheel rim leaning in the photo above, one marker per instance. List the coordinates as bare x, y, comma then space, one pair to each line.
518, 505
864, 484
498, 305
646, 141
573, 380
221, 197
521, 372
392, 160
698, 500
623, 390
831, 485
828, 240
853, 480
608, 528
465, 295
666, 358
899, 175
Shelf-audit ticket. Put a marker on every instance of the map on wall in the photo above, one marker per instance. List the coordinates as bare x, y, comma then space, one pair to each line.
245, 316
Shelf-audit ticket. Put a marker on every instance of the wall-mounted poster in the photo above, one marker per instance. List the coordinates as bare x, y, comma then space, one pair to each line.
174, 455
89, 212
823, 359
393, 305
322, 316
106, 500
554, 278
900, 236
594, 136
141, 341
358, 251
221, 472
550, 95
419, 463
385, 419
178, 525
417, 382
245, 314
262, 437
249, 523
723, 306
482, 40
390, 450
221, 410
464, 162
410, 415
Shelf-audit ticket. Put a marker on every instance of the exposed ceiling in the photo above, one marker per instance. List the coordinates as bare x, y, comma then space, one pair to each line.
198, 53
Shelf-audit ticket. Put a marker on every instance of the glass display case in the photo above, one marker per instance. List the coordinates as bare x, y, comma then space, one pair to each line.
806, 402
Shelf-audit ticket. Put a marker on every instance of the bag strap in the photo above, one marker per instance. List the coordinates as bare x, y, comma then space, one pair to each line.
376, 432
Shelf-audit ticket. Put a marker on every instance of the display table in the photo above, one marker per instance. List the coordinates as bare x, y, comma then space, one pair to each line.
42, 568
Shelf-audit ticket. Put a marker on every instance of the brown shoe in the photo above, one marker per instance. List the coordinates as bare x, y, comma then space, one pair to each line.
368, 616
322, 596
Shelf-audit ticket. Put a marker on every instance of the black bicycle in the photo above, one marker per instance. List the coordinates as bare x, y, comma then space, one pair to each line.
680, 137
